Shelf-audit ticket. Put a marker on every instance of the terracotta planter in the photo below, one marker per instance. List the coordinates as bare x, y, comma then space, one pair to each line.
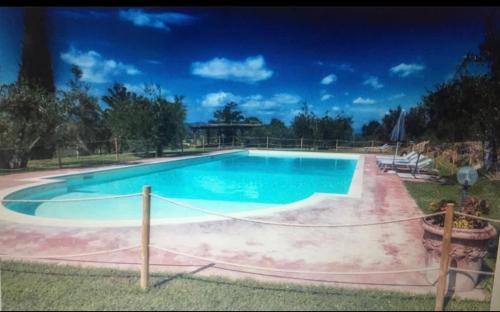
468, 249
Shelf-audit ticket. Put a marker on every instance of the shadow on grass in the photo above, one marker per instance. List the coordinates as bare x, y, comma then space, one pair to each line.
165, 278
182, 275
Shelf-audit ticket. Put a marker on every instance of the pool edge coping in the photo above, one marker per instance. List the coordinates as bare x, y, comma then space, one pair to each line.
6, 214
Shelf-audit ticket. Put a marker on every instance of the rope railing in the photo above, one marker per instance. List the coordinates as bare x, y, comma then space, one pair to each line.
94, 253
69, 199
292, 224
423, 269
145, 246
477, 217
471, 271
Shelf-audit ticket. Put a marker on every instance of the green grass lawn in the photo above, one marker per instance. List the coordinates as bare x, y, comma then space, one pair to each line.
94, 160
50, 287
425, 193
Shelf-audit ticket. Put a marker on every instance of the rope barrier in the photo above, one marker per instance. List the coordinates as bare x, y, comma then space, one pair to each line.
74, 255
476, 217
471, 271
292, 224
292, 271
68, 200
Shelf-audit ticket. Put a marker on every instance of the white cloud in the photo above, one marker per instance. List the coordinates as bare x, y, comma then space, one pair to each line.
368, 110
396, 96
218, 99
326, 97
338, 66
329, 79
252, 69
335, 108
155, 20
95, 68
373, 82
286, 98
361, 100
297, 111
141, 89
277, 101
405, 70
254, 103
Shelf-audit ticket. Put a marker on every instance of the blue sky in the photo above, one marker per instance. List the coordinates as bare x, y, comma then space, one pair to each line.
356, 61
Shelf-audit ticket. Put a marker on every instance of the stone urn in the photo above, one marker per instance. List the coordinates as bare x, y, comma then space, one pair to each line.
468, 249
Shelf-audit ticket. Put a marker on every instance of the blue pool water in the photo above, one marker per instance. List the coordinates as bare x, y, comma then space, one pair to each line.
234, 182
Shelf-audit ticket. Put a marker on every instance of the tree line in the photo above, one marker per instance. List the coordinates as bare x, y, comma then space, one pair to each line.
36, 119
305, 124
466, 107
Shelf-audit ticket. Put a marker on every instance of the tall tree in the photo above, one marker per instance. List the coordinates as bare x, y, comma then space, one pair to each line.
36, 63
486, 84
278, 129
304, 124
416, 122
228, 114
120, 116
150, 120
84, 122
26, 114
168, 122
372, 130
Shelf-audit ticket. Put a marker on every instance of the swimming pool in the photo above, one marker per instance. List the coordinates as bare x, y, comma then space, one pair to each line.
228, 182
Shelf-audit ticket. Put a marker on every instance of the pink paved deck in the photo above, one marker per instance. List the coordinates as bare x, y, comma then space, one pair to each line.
374, 248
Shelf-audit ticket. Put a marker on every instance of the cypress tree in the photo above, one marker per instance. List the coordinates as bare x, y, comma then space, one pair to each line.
36, 64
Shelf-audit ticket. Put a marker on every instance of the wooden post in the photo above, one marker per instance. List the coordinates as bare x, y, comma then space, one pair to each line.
146, 209
301, 143
267, 142
495, 293
445, 257
117, 153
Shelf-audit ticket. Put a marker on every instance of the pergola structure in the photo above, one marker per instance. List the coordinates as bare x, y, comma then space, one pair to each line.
221, 127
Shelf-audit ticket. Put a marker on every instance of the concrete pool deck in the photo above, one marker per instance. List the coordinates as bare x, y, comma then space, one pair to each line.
373, 248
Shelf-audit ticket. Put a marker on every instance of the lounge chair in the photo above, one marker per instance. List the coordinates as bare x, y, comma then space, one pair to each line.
405, 157
388, 160
412, 160
379, 149
423, 165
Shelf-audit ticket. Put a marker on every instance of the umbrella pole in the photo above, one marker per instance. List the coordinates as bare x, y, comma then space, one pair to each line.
394, 158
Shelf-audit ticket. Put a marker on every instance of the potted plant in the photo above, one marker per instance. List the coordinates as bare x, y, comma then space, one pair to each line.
469, 242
